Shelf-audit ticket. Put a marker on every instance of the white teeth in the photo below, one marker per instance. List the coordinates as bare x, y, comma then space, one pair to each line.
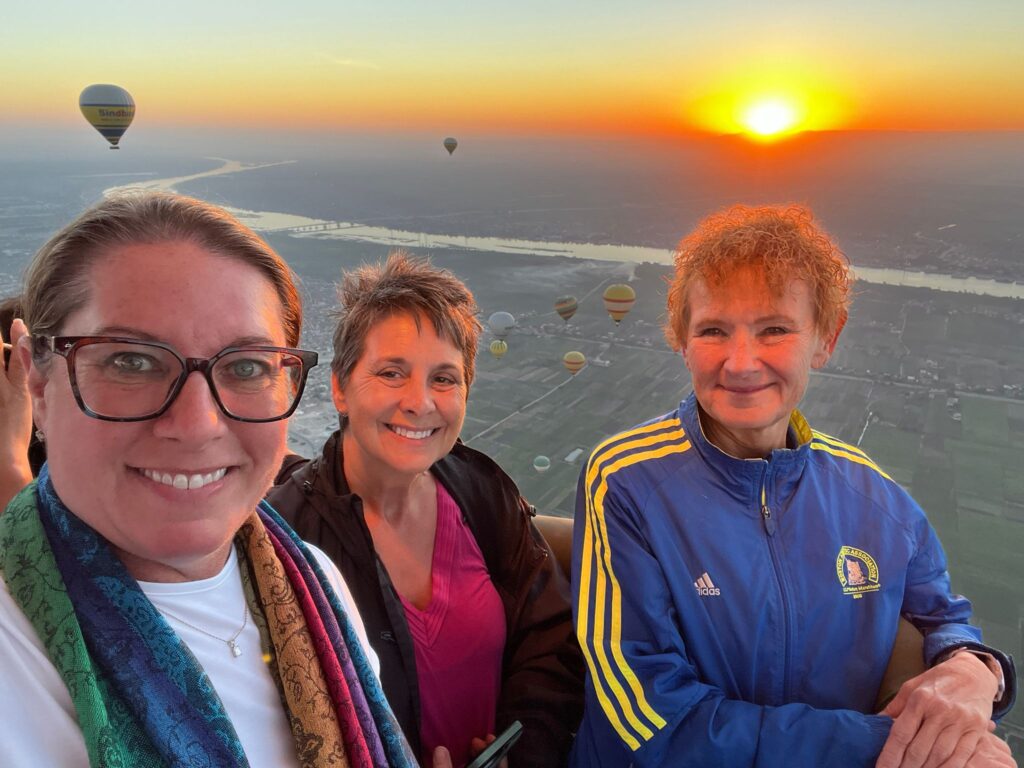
417, 435
185, 482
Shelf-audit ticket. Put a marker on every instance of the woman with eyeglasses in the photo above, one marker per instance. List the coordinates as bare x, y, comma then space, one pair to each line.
155, 611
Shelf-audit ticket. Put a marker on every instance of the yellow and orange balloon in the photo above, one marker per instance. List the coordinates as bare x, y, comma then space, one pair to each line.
566, 307
618, 300
499, 348
574, 362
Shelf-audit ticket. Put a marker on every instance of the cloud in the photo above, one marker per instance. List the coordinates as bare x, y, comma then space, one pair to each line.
352, 63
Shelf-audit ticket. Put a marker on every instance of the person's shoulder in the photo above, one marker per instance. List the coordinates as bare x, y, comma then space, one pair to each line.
463, 455
348, 602
466, 470
334, 578
854, 468
847, 459
291, 464
648, 449
13, 621
333, 574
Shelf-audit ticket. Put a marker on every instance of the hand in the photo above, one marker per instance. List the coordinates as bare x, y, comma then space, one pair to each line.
15, 421
476, 746
441, 758
991, 752
941, 715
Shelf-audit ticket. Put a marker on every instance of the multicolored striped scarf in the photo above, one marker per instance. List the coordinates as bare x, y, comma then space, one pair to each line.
139, 693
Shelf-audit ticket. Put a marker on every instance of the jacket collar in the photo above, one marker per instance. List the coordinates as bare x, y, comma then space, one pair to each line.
746, 478
487, 497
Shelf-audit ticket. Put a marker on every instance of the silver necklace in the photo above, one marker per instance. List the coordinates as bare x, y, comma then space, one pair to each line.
232, 643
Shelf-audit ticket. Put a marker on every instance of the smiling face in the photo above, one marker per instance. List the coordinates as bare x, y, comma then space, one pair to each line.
171, 492
750, 354
405, 400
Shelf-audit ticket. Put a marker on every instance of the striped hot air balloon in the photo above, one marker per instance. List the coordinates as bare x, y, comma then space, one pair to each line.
566, 307
499, 348
109, 109
574, 362
618, 300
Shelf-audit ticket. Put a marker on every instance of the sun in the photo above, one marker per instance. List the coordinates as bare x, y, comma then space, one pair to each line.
770, 118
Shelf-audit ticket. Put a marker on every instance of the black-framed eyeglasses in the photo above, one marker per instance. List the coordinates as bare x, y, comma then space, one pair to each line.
122, 379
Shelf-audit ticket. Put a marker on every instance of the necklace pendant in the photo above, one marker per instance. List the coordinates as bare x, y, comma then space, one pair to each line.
235, 650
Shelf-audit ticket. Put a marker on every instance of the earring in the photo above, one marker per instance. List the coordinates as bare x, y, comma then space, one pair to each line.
40, 436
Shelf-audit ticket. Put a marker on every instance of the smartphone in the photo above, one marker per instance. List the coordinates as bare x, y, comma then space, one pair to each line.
498, 748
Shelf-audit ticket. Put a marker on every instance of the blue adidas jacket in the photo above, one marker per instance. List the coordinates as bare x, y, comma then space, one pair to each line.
742, 612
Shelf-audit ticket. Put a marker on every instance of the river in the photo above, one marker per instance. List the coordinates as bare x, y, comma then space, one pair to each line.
302, 226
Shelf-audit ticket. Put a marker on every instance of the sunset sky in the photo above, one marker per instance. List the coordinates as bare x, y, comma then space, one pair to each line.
557, 66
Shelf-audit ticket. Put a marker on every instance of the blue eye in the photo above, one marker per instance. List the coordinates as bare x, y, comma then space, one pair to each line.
247, 369
131, 362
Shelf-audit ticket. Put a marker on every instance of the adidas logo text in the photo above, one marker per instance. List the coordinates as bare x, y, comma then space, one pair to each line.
705, 587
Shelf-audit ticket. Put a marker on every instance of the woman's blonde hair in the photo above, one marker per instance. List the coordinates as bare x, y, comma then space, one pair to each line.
57, 284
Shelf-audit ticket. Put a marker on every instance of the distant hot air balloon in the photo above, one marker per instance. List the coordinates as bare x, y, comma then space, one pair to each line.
618, 300
566, 307
542, 464
109, 109
450, 144
499, 348
574, 362
500, 324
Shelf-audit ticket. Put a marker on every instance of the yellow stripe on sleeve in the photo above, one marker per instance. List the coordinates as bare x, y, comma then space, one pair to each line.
837, 443
857, 458
583, 609
598, 580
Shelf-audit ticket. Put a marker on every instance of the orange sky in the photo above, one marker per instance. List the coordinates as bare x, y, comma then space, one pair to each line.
660, 68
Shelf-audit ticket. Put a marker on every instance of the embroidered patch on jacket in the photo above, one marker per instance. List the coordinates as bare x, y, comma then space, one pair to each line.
857, 572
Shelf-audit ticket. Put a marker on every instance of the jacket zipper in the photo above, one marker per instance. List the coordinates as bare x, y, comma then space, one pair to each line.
770, 527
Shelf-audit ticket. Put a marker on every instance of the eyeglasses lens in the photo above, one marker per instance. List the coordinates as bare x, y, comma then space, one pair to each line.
122, 380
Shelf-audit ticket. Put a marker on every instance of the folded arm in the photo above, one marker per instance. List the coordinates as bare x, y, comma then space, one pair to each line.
943, 715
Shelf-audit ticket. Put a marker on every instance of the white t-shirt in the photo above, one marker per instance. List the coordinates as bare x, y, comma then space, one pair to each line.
38, 723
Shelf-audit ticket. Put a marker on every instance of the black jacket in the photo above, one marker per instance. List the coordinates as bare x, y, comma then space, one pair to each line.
542, 668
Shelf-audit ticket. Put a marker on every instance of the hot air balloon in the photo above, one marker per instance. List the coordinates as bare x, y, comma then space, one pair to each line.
450, 144
499, 348
109, 109
542, 464
618, 300
500, 324
574, 362
566, 307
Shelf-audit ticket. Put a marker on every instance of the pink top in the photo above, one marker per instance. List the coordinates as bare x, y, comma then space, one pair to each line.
459, 640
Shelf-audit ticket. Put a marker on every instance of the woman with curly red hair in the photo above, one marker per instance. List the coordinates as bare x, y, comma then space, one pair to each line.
740, 577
